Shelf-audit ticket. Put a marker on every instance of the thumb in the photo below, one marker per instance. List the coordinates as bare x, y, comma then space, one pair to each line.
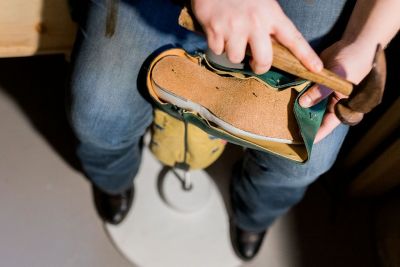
314, 95
317, 92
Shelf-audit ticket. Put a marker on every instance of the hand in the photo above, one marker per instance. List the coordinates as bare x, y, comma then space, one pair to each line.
232, 25
352, 62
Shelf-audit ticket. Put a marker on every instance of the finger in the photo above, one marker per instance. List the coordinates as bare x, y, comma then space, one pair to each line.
261, 52
215, 42
314, 95
288, 35
235, 48
329, 123
332, 103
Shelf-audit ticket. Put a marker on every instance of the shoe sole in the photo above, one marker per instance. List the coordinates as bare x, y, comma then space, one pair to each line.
243, 107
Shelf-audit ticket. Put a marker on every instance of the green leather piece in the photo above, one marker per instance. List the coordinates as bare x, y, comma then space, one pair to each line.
274, 77
309, 120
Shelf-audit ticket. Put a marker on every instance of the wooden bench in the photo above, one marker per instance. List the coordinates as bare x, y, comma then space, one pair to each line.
35, 27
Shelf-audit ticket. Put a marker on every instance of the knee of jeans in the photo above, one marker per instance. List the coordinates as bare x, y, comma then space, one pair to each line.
110, 128
279, 172
304, 175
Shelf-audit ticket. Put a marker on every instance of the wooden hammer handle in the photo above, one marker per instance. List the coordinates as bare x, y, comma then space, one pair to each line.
284, 60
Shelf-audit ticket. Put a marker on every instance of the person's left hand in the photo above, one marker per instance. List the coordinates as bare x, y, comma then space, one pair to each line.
352, 62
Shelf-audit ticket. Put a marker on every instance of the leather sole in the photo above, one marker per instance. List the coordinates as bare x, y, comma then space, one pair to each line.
244, 107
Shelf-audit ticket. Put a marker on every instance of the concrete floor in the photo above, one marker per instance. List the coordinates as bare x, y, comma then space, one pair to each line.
47, 217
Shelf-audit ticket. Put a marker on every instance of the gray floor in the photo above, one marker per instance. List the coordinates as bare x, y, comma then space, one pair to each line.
46, 211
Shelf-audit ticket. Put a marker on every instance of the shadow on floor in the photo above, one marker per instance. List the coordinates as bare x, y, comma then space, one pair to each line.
36, 84
326, 231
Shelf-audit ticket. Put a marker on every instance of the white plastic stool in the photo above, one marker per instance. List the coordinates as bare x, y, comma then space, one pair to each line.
177, 227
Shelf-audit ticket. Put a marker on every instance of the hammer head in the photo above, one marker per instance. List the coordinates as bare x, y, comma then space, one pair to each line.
365, 96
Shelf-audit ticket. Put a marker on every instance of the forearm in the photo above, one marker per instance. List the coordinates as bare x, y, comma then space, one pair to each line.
373, 22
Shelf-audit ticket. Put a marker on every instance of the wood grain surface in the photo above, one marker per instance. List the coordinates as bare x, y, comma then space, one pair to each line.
35, 27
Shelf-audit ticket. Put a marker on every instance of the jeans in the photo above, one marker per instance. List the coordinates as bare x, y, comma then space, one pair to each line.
109, 114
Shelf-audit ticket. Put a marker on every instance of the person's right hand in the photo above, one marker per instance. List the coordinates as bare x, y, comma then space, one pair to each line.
232, 25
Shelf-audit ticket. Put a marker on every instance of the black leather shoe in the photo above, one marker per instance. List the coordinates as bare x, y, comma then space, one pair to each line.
245, 243
113, 208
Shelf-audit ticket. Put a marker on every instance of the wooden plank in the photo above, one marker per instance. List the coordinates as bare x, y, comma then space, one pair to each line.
35, 26
387, 230
380, 176
371, 140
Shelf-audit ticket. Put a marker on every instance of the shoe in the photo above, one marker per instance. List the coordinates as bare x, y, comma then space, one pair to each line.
245, 109
113, 208
246, 243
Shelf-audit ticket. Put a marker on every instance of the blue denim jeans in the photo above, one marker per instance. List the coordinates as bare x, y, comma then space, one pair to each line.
109, 114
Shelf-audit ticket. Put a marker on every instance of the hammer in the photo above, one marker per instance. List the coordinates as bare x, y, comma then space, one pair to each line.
362, 98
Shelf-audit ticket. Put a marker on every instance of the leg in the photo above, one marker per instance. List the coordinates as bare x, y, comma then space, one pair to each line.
268, 186
107, 112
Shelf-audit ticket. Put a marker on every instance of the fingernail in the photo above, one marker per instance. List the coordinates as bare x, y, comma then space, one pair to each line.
317, 65
259, 69
259, 72
305, 101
